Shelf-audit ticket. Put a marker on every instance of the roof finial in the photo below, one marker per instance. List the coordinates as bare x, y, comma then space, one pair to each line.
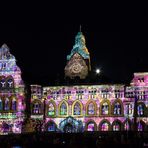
80, 27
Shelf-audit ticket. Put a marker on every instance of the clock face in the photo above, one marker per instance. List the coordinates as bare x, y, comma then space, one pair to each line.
76, 68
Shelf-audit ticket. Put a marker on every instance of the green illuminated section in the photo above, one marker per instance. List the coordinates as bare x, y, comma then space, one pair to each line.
7, 116
62, 113
51, 113
63, 109
51, 110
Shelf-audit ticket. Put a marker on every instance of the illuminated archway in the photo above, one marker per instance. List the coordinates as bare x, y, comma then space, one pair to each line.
91, 108
77, 108
71, 125
91, 126
105, 108
117, 108
117, 125
2, 82
51, 108
9, 82
104, 125
63, 108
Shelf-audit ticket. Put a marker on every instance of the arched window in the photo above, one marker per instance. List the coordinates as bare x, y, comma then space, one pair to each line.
10, 82
91, 109
116, 126
77, 109
63, 109
51, 109
117, 108
3, 82
105, 126
105, 108
1, 104
36, 108
51, 126
140, 109
3, 67
91, 126
14, 104
6, 106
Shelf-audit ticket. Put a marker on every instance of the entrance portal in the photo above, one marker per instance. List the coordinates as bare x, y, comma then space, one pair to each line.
71, 125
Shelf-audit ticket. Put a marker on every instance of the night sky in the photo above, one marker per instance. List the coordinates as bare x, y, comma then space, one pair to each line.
40, 37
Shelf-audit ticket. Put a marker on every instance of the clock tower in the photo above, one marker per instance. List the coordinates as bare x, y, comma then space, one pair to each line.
78, 61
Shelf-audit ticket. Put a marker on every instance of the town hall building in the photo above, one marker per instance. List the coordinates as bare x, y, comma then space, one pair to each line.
88, 107
71, 107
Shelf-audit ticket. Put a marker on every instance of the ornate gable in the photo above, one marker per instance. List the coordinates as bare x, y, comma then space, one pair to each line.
76, 67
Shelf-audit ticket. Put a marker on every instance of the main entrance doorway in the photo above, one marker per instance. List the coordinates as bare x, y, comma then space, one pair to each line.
71, 125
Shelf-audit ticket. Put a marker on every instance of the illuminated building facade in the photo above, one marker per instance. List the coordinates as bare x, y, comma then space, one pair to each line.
12, 103
72, 108
77, 108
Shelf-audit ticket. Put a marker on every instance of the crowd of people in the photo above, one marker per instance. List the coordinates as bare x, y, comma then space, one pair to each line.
74, 140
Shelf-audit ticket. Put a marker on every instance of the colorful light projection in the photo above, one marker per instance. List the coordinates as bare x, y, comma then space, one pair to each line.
91, 109
12, 103
105, 126
117, 108
51, 110
77, 109
101, 107
102, 111
63, 109
91, 126
140, 109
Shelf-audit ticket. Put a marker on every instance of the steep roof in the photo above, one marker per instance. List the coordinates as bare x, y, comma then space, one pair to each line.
79, 47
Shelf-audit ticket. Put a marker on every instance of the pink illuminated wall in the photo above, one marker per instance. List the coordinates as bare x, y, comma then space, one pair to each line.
100, 107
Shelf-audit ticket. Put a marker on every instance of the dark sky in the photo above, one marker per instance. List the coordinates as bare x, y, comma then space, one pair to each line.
40, 36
